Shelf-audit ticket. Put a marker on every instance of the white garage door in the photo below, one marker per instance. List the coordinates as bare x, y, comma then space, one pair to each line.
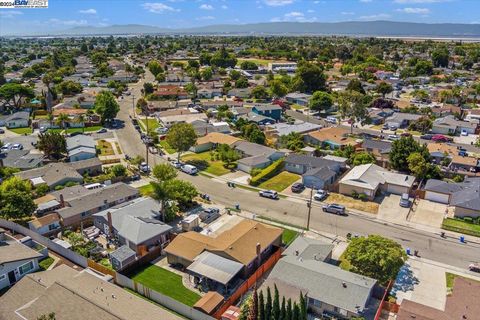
396, 189
436, 197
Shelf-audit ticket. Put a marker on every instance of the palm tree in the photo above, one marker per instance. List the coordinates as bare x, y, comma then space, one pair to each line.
81, 119
50, 118
62, 119
162, 195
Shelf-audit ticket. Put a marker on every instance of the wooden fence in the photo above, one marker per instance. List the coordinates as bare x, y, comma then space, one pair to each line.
102, 269
382, 303
245, 286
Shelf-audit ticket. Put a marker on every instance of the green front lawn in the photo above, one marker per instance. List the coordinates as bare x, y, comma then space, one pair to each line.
152, 123
167, 283
81, 130
165, 146
45, 263
461, 226
146, 190
203, 161
280, 182
450, 278
27, 130
288, 236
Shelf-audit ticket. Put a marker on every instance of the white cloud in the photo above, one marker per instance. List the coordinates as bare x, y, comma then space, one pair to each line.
88, 11
205, 18
294, 14
379, 16
206, 7
278, 3
10, 13
224, 7
310, 11
365, 1
68, 22
347, 13
157, 7
415, 10
419, 1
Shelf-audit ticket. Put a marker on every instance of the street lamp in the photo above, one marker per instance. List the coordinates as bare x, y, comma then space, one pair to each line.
133, 104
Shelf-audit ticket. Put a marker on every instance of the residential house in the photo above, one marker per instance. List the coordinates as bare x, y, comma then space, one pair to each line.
331, 137
16, 260
450, 125
203, 127
242, 93
282, 66
457, 160
214, 104
212, 140
301, 99
378, 116
317, 173
369, 179
402, 120
463, 196
461, 303
446, 110
75, 295
379, 148
159, 106
59, 173
81, 147
274, 131
255, 155
256, 118
170, 92
330, 291
209, 93
78, 204
19, 119
272, 111
21, 159
45, 225
248, 243
135, 224
473, 115
186, 115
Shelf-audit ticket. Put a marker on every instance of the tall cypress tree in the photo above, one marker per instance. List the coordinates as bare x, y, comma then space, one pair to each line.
303, 307
276, 304
296, 312
253, 312
261, 306
289, 310
283, 310
268, 305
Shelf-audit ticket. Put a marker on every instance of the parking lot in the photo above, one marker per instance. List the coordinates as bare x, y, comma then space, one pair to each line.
390, 209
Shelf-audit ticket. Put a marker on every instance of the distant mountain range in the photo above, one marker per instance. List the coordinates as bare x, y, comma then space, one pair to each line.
351, 28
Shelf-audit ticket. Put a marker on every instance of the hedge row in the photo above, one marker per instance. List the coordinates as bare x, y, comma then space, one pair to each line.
267, 173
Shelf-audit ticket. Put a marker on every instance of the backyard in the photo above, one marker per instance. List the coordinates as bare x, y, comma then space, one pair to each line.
351, 203
280, 182
458, 225
45, 263
203, 161
165, 282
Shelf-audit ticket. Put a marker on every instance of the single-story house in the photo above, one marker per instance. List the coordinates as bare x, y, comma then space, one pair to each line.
185, 115
282, 129
242, 93
463, 196
316, 172
81, 147
19, 119
255, 155
136, 224
21, 159
331, 292
45, 225
203, 127
370, 178
301, 99
209, 93
268, 110
450, 125
16, 260
331, 137
243, 243
378, 116
212, 140
402, 120
379, 148
256, 118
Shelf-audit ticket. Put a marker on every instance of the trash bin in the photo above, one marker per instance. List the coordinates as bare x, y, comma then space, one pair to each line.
462, 239
408, 251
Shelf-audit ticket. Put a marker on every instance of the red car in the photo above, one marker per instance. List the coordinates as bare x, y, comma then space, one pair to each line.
440, 138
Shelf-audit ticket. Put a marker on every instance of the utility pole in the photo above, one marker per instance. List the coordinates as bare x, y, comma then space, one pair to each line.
309, 205
133, 104
148, 139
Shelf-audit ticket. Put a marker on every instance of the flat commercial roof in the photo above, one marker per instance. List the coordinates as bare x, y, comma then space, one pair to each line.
215, 267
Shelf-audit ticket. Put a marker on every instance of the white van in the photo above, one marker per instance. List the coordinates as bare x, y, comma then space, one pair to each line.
189, 169
331, 119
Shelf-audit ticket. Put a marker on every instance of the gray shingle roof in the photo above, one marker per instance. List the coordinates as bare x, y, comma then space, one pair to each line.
323, 173
465, 194
215, 267
122, 253
308, 248
382, 146
310, 161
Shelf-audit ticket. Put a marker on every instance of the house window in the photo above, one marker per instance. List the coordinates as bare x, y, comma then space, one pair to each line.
26, 268
52, 227
2, 277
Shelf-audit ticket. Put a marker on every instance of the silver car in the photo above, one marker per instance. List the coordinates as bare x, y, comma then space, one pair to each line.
268, 194
334, 208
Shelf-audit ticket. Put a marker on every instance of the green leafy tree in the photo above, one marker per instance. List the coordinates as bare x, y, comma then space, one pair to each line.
252, 133
248, 65
423, 125
223, 59
296, 312
417, 164
440, 57
278, 88
16, 199
352, 106
259, 92
384, 88
12, 94
69, 87
320, 101
242, 82
309, 77
288, 314
50, 316
362, 158
181, 137
155, 67
355, 85
164, 172
62, 120
292, 141
283, 310
53, 145
207, 74
228, 155
118, 170
376, 257
148, 88
303, 307
402, 148
106, 106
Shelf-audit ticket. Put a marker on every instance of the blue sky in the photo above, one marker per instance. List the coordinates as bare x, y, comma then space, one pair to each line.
64, 14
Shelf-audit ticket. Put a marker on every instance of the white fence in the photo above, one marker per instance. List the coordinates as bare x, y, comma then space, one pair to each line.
165, 301
55, 247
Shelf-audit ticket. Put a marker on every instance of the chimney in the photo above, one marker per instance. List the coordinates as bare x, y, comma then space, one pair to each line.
110, 226
62, 201
258, 248
344, 284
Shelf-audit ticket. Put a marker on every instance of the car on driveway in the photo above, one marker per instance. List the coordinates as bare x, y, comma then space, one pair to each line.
320, 195
176, 164
7, 146
144, 167
103, 130
405, 200
334, 208
268, 194
297, 187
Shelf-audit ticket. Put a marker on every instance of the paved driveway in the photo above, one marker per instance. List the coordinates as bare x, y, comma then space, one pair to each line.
428, 213
423, 283
390, 209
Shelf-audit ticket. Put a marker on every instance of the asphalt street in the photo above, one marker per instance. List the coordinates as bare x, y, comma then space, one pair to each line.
294, 211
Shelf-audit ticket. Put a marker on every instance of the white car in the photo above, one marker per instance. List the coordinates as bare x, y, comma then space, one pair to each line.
320, 195
268, 194
392, 137
144, 167
189, 169
7, 146
464, 132
152, 150
17, 146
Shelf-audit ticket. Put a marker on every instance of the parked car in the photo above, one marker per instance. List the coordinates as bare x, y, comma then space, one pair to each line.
393, 127
209, 214
464, 132
162, 130
2, 131
135, 177
297, 187
103, 130
189, 169
268, 194
405, 200
393, 137
334, 208
17, 146
440, 138
474, 267
331, 119
320, 195
144, 167
7, 146
153, 150
426, 136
